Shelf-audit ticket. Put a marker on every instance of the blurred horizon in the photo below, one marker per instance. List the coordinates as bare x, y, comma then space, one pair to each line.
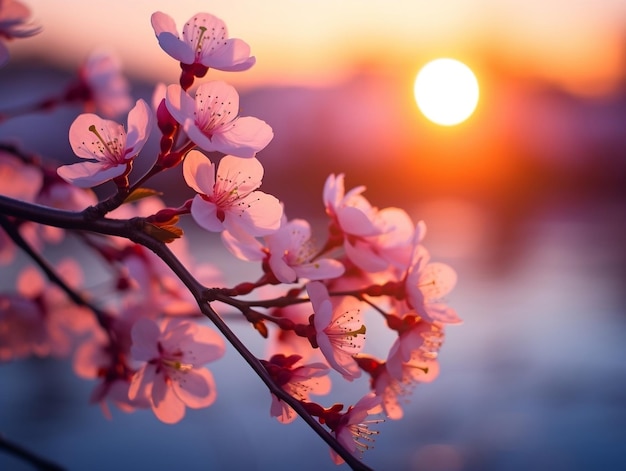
578, 45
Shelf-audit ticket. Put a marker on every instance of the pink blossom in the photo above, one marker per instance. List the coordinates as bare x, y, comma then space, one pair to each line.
105, 141
109, 89
14, 17
340, 331
229, 200
297, 381
172, 375
204, 41
372, 238
39, 319
426, 285
211, 120
290, 251
392, 391
99, 359
352, 429
415, 347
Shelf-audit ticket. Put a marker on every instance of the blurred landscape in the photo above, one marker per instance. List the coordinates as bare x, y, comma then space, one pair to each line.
526, 200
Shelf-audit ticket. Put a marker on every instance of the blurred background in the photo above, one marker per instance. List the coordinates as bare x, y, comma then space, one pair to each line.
526, 200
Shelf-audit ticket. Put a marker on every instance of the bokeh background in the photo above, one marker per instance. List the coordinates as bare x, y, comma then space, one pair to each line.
526, 200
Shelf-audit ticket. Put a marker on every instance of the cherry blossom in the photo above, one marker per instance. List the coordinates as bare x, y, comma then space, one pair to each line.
172, 375
211, 120
105, 141
230, 200
392, 390
352, 429
108, 88
38, 319
417, 345
426, 284
99, 359
14, 17
372, 238
298, 381
290, 252
204, 41
339, 331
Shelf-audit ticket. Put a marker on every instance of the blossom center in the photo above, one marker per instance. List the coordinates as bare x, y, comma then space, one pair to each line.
111, 148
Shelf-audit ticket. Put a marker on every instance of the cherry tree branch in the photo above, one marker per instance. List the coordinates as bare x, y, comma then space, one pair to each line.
21, 452
134, 230
52, 275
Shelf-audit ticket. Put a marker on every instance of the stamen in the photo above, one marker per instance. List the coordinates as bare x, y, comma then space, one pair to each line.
177, 365
200, 38
106, 145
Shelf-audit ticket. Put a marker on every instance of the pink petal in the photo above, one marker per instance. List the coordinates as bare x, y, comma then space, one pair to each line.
436, 280
333, 190
217, 96
258, 214
139, 127
141, 381
244, 137
205, 215
84, 143
354, 221
320, 270
283, 272
234, 56
321, 304
197, 136
30, 283
245, 175
162, 23
338, 359
145, 335
244, 247
180, 105
89, 174
165, 403
364, 256
195, 388
199, 172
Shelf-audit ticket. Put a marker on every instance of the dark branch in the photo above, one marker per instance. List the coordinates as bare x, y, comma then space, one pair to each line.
21, 452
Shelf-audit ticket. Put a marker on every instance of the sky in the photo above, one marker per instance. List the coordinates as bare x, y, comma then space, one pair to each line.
576, 43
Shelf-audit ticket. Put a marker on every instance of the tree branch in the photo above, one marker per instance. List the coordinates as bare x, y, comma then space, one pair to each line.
132, 229
38, 462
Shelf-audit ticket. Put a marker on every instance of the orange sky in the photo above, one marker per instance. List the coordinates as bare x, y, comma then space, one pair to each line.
579, 43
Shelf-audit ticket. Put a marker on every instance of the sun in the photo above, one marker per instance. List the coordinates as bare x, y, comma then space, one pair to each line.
446, 91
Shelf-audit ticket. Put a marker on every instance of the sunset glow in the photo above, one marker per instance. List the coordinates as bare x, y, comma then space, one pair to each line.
446, 91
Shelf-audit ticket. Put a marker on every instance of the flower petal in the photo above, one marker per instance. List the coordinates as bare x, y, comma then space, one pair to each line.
165, 403
199, 172
244, 137
145, 336
180, 105
89, 174
139, 127
205, 215
195, 388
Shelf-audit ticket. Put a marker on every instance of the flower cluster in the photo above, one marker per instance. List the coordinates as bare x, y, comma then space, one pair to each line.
146, 341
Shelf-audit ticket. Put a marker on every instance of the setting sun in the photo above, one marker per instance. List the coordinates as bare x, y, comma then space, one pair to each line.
446, 91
